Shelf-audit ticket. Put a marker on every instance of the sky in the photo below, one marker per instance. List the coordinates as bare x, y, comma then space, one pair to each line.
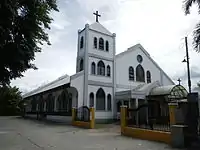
158, 25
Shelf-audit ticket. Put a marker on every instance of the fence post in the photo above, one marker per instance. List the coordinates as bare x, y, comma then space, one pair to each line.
73, 114
123, 117
172, 107
92, 118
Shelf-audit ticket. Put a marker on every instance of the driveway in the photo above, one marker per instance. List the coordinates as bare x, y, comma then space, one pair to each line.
24, 134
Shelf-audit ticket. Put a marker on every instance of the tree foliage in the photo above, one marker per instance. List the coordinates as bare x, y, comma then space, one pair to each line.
9, 100
198, 84
196, 33
23, 25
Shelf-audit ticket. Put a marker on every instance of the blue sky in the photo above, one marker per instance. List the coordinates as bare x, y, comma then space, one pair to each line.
159, 25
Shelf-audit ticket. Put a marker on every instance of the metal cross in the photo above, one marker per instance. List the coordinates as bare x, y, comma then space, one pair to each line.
97, 16
179, 81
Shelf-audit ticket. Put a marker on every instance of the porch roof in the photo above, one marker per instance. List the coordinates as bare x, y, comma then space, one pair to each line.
172, 91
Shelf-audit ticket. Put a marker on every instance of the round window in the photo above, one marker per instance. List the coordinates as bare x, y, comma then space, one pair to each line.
139, 58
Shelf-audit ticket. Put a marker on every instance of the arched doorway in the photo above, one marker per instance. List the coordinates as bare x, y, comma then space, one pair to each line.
100, 100
63, 101
50, 103
41, 104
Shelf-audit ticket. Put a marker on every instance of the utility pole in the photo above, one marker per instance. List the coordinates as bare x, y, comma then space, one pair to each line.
188, 65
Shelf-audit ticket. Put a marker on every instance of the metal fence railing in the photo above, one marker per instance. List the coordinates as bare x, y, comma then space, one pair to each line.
139, 118
82, 114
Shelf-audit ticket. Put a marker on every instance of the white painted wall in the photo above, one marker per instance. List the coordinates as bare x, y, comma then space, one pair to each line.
80, 51
130, 59
166, 80
103, 115
77, 82
104, 53
98, 77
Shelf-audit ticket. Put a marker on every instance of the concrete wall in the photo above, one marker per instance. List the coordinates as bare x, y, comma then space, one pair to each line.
125, 60
77, 82
151, 135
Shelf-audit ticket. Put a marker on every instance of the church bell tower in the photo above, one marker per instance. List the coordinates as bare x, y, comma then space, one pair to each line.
96, 58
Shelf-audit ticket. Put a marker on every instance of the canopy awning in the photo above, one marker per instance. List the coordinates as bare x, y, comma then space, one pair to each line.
171, 91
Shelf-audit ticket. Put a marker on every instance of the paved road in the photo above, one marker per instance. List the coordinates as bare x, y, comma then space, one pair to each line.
20, 134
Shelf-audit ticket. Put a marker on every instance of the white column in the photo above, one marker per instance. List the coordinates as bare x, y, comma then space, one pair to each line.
55, 103
136, 106
106, 107
129, 103
136, 103
45, 106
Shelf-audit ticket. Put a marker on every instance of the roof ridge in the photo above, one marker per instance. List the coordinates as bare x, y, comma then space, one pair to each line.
94, 26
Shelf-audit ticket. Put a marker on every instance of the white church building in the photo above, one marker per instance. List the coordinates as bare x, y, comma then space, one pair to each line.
103, 80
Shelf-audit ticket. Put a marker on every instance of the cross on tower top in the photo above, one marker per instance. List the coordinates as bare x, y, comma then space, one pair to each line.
97, 16
179, 81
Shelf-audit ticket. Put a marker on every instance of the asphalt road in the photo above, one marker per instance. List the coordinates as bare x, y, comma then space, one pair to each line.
24, 134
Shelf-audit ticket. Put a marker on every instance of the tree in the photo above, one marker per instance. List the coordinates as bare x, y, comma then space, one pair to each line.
196, 32
23, 25
198, 84
9, 100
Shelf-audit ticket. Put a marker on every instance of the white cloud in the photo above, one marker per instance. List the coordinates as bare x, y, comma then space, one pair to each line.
160, 26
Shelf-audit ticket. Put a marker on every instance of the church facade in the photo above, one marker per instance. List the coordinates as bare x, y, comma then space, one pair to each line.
103, 80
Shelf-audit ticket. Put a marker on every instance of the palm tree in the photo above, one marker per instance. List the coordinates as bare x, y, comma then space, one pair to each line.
196, 32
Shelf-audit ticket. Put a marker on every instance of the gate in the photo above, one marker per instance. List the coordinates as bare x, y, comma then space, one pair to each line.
192, 119
143, 118
82, 114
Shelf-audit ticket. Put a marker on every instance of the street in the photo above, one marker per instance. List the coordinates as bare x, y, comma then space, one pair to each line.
17, 133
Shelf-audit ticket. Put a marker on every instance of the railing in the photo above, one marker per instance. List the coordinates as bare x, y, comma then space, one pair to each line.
139, 118
82, 114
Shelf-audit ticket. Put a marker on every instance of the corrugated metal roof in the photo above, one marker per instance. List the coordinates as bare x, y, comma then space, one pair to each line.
56, 83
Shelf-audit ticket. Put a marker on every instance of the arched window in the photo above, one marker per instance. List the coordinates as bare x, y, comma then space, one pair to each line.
131, 73
81, 65
100, 99
101, 44
93, 68
33, 105
148, 76
109, 102
41, 104
101, 68
108, 71
81, 43
140, 74
91, 99
95, 42
50, 103
63, 101
107, 46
